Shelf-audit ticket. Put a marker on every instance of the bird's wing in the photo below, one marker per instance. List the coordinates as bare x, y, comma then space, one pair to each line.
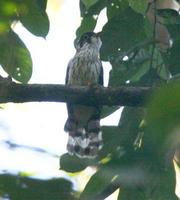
69, 105
67, 72
101, 75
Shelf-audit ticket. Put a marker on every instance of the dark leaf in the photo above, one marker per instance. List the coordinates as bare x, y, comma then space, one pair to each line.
169, 16
94, 9
89, 3
42, 4
131, 194
163, 187
139, 6
129, 32
72, 163
15, 57
34, 18
175, 78
130, 124
163, 119
97, 184
115, 7
18, 187
112, 138
172, 56
88, 24
108, 110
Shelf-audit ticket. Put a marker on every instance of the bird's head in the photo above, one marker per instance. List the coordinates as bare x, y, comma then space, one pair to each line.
89, 39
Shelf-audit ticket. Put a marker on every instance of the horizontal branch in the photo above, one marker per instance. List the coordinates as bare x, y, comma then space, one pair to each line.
123, 96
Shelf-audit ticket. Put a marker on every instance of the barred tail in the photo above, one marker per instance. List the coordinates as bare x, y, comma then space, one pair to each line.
85, 143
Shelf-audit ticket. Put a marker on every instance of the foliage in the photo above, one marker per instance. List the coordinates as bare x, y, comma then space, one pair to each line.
22, 187
14, 56
137, 154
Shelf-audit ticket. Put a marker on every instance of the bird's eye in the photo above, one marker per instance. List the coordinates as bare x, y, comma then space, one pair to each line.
85, 37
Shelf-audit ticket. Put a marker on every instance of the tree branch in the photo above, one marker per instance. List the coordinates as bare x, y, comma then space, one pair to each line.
124, 96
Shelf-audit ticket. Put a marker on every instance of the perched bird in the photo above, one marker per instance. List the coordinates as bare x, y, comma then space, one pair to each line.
83, 123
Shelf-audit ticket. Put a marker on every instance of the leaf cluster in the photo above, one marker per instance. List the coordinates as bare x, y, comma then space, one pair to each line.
137, 154
15, 58
20, 187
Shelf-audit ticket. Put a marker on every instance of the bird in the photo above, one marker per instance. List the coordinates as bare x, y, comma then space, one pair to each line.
83, 122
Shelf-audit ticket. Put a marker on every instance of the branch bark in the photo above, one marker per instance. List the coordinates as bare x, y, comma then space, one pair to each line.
123, 96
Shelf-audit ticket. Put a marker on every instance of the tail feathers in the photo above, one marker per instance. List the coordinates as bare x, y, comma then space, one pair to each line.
84, 144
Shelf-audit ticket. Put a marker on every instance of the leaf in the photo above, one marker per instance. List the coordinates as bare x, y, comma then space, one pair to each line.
128, 33
72, 163
175, 78
164, 184
94, 10
131, 194
169, 16
130, 124
4, 27
172, 57
34, 18
33, 188
139, 6
163, 118
159, 64
89, 3
15, 57
108, 110
97, 183
111, 140
114, 8
42, 4
142, 70
88, 24
8, 9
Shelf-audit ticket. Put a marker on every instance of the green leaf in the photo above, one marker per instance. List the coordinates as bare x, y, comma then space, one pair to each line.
88, 23
94, 10
172, 56
130, 124
15, 57
97, 184
112, 136
169, 16
42, 4
89, 3
115, 7
72, 163
108, 110
163, 118
139, 72
8, 9
33, 188
139, 6
115, 75
175, 78
4, 27
131, 194
128, 33
34, 18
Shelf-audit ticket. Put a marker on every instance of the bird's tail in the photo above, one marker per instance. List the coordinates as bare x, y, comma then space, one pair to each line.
85, 142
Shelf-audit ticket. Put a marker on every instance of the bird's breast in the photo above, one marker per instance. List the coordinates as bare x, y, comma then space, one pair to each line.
84, 71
